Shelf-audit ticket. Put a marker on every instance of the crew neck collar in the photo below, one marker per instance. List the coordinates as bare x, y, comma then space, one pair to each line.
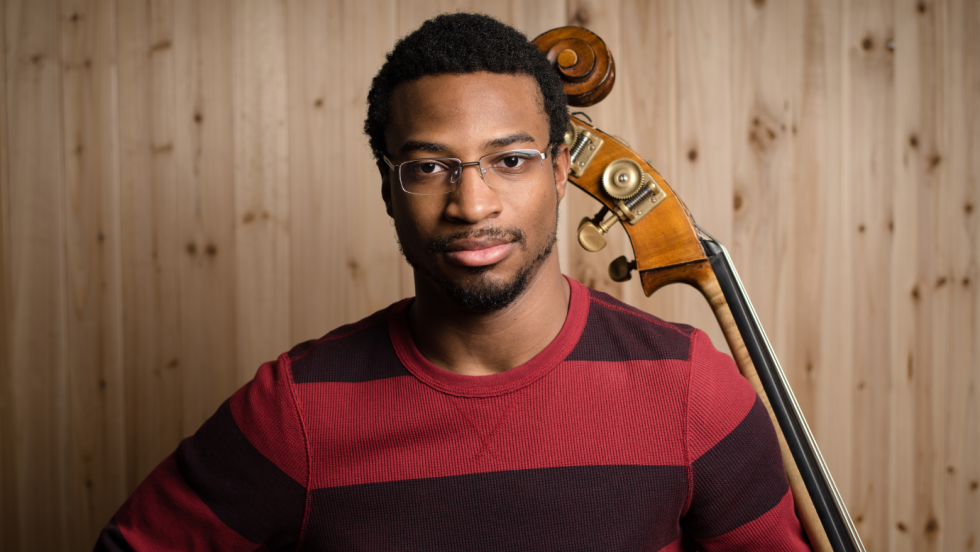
495, 384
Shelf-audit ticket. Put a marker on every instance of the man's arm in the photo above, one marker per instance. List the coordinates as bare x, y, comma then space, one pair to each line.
239, 483
740, 498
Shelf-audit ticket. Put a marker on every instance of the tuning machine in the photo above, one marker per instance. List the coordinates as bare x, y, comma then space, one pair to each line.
619, 269
591, 232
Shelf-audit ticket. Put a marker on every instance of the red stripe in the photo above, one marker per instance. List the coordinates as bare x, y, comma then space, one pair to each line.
676, 546
165, 514
777, 529
720, 396
265, 413
583, 413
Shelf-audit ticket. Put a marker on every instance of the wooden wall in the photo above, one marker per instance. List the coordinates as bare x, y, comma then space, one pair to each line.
185, 192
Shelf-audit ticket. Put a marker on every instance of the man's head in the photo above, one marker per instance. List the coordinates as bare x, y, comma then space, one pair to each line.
466, 86
461, 43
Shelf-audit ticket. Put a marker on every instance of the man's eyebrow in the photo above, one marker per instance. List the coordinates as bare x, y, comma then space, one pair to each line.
508, 140
419, 145
434, 147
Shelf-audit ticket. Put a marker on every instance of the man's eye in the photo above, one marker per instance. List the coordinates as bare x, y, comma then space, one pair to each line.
428, 168
511, 162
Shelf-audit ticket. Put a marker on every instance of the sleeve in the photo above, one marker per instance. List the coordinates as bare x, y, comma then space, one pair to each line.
740, 498
239, 483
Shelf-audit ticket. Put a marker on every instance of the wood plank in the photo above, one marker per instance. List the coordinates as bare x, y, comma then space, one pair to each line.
8, 472
959, 231
822, 326
204, 167
261, 183
38, 311
773, 231
318, 197
920, 263
150, 236
765, 97
869, 107
96, 459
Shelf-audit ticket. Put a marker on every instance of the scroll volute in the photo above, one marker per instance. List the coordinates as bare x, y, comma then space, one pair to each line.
665, 240
586, 67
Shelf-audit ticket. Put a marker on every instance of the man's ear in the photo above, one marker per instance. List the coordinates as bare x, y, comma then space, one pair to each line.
386, 191
562, 163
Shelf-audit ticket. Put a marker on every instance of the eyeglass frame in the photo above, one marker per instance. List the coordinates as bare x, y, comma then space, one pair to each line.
483, 173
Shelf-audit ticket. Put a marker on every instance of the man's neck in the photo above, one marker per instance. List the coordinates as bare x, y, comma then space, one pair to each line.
478, 344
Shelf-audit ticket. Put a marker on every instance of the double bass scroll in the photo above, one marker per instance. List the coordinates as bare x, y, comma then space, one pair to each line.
670, 248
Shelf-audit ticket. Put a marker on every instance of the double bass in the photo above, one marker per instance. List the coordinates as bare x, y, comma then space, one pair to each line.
669, 247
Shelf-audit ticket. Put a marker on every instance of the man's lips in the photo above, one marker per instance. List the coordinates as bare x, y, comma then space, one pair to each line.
475, 252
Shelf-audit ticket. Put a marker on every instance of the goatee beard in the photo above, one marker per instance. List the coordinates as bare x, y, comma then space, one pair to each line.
483, 294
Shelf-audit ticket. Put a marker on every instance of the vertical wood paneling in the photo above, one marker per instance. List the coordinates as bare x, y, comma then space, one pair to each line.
318, 225
376, 274
204, 167
261, 182
89, 142
822, 230
959, 139
37, 246
150, 235
8, 471
869, 108
185, 192
764, 97
766, 48
919, 287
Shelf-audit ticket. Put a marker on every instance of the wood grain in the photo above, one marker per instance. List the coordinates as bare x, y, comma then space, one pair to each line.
94, 422
39, 307
8, 471
958, 137
204, 168
318, 222
261, 183
151, 245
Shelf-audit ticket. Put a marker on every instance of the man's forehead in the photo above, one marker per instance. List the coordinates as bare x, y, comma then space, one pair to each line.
499, 107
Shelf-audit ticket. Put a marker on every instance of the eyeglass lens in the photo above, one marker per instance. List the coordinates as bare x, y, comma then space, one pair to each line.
506, 169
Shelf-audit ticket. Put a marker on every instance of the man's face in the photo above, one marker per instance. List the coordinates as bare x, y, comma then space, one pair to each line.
481, 246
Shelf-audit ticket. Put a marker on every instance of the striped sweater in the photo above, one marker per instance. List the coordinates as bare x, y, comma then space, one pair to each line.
625, 433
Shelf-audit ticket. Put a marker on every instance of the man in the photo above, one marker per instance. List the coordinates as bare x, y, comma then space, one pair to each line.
505, 407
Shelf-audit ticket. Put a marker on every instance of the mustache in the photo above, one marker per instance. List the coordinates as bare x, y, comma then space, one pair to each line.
515, 235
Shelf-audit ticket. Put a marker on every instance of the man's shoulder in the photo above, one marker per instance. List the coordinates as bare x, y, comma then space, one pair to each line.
616, 331
356, 352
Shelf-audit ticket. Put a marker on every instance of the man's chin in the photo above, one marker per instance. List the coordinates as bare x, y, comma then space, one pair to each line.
484, 294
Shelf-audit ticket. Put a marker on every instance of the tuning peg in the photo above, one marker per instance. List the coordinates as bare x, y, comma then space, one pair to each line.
591, 236
619, 269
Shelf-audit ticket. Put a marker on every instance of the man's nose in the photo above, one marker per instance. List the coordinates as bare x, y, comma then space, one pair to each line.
472, 201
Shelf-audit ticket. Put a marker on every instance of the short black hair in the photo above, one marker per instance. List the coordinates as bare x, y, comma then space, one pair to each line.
460, 43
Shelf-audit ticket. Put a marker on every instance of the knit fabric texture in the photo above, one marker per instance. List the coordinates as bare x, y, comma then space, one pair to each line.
626, 433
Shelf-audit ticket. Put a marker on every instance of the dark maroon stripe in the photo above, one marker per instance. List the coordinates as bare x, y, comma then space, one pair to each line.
365, 355
617, 332
112, 540
244, 489
607, 508
739, 479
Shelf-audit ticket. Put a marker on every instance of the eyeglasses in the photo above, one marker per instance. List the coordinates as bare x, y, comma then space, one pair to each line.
503, 169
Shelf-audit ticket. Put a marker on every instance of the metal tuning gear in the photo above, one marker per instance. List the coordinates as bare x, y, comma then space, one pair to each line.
591, 235
622, 178
619, 269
